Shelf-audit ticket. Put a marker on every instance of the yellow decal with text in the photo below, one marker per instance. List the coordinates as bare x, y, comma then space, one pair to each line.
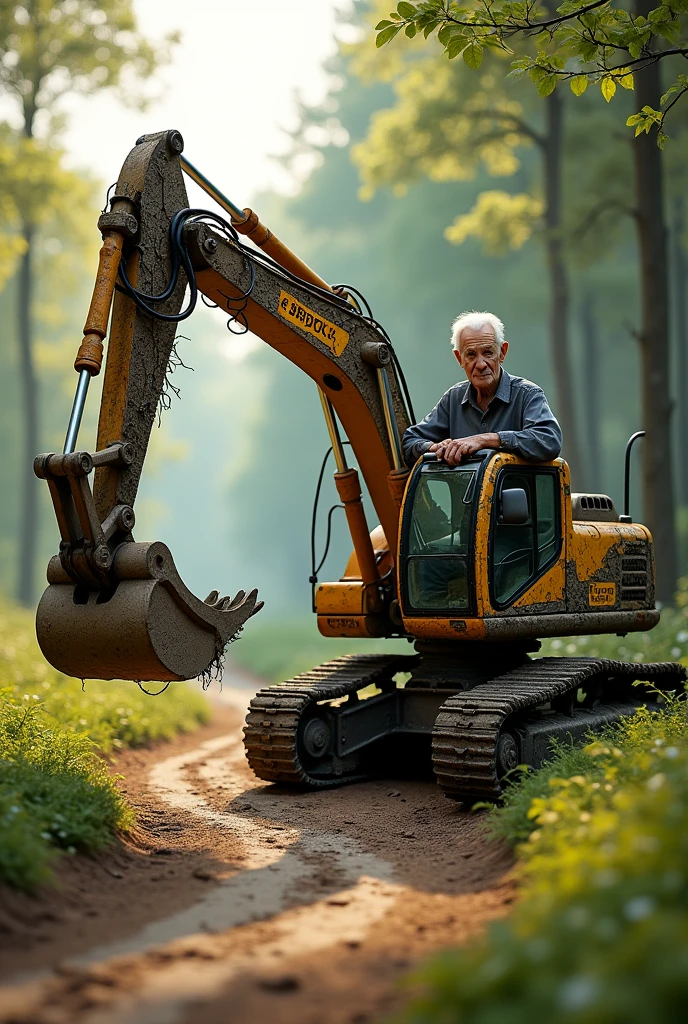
601, 594
329, 334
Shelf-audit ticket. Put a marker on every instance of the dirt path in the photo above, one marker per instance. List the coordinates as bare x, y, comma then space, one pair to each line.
236, 901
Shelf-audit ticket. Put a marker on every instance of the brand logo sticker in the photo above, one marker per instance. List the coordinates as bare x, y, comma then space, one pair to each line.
328, 333
601, 594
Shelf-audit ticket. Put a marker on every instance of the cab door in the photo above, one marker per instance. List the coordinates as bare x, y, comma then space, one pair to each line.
526, 563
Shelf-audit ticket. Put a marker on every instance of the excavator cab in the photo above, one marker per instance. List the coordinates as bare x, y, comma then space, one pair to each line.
498, 549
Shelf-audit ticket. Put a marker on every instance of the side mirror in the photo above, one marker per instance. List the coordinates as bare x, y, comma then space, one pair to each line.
514, 507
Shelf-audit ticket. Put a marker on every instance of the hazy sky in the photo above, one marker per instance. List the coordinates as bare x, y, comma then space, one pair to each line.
230, 89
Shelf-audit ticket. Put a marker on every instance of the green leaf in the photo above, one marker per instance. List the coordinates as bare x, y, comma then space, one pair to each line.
387, 34
445, 34
473, 55
410, 30
455, 46
627, 81
634, 119
383, 24
608, 87
406, 10
547, 85
579, 83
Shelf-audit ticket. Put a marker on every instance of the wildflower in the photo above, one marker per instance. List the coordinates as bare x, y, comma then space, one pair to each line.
578, 992
639, 908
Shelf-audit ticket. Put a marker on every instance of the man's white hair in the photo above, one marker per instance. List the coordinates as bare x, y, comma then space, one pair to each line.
476, 321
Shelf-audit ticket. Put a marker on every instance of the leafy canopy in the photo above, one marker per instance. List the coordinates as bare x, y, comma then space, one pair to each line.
580, 42
50, 47
33, 186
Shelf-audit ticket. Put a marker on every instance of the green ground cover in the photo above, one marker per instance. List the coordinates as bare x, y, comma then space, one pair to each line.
55, 791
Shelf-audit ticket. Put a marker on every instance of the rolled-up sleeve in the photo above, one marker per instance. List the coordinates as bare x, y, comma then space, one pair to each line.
435, 427
539, 438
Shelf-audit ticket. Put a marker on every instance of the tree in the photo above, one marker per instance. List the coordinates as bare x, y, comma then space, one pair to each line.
594, 35
48, 48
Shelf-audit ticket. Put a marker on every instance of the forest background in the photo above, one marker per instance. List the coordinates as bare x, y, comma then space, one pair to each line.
428, 192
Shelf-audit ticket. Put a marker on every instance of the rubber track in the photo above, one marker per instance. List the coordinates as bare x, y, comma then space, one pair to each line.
468, 724
272, 722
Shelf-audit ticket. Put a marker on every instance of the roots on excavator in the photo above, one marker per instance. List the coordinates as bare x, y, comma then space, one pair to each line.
471, 719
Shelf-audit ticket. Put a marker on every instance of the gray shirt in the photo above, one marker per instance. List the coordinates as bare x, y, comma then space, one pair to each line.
519, 413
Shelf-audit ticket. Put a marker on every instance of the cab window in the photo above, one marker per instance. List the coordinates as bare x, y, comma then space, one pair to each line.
438, 539
521, 552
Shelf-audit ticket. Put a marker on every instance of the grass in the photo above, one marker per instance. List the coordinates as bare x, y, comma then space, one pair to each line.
56, 793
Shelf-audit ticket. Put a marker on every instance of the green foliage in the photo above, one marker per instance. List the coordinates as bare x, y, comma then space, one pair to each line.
579, 42
34, 185
601, 932
501, 221
55, 792
50, 47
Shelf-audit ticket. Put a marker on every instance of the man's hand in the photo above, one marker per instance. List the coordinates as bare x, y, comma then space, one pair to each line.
454, 451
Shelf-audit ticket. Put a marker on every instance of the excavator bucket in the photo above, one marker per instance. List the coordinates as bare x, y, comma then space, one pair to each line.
149, 627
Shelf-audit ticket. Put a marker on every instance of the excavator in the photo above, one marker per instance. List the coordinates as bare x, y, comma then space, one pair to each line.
474, 564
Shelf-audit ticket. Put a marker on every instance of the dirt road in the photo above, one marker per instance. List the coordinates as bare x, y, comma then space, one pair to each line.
236, 901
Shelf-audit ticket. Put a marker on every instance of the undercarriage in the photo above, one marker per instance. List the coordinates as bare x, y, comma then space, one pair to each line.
470, 716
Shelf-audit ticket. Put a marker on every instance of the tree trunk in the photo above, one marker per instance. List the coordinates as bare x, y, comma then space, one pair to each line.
558, 284
29, 489
658, 486
681, 336
591, 392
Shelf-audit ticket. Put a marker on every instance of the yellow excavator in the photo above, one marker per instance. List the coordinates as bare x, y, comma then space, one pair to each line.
473, 564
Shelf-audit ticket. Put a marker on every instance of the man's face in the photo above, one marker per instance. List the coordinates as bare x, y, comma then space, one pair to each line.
481, 356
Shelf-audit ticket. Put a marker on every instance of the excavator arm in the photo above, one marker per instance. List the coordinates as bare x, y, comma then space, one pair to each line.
115, 608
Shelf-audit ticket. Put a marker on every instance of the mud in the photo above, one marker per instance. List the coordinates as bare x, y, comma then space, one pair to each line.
233, 900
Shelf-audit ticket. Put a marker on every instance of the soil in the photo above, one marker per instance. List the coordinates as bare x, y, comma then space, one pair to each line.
237, 901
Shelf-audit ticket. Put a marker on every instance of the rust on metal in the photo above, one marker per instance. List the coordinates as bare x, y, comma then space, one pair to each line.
90, 354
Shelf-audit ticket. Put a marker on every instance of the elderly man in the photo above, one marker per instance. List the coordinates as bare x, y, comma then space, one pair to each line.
491, 409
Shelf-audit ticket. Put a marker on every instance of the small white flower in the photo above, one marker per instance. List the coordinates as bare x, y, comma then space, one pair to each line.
577, 993
639, 908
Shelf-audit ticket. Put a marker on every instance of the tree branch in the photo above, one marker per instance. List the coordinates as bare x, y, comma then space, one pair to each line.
594, 214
